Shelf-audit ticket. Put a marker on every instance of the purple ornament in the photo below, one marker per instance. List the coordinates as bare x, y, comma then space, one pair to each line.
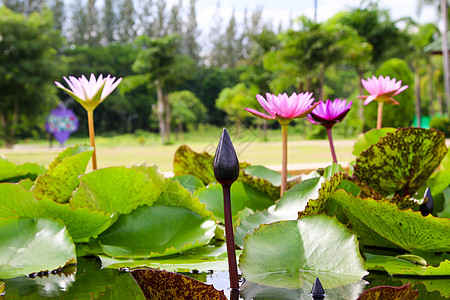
61, 122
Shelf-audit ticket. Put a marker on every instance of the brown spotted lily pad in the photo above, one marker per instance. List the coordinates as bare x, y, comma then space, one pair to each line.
401, 162
405, 292
159, 284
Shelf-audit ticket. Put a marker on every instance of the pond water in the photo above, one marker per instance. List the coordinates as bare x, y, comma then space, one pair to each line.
92, 282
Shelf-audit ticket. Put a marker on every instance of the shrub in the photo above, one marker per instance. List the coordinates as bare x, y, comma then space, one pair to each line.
441, 123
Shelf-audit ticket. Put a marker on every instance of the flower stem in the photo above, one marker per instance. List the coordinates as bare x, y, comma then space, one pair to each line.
380, 114
229, 237
330, 140
90, 114
284, 134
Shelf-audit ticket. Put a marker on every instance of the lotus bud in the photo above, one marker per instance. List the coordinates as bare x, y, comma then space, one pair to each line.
427, 207
317, 291
226, 164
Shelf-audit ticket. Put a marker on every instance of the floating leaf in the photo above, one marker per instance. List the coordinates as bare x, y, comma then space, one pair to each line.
115, 190
10, 172
242, 196
439, 181
382, 224
157, 284
369, 138
81, 223
402, 161
187, 161
272, 176
156, 231
405, 292
287, 253
172, 192
63, 175
33, 245
399, 266
190, 182
202, 259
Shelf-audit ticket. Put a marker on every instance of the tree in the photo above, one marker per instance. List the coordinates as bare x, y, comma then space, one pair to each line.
186, 109
127, 25
191, 33
159, 63
109, 22
28, 68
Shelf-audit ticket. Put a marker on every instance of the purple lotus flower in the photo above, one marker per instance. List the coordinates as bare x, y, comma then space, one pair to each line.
284, 107
330, 112
327, 114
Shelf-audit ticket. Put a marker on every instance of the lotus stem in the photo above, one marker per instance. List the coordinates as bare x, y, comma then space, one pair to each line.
90, 114
330, 140
380, 114
229, 237
284, 134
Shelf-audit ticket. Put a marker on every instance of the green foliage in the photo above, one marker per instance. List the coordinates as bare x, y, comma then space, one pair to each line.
291, 254
28, 59
369, 138
394, 115
187, 108
234, 100
401, 162
441, 123
43, 244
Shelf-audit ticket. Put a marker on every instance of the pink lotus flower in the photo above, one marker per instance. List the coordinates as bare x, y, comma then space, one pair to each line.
283, 108
329, 113
89, 93
382, 89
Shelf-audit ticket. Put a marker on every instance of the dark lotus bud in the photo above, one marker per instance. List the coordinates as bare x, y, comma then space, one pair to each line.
317, 291
427, 207
226, 164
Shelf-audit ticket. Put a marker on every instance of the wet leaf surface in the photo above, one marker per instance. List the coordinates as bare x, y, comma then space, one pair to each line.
389, 292
158, 284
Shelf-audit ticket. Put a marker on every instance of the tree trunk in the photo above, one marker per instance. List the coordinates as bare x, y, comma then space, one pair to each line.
162, 124
417, 94
430, 88
445, 55
168, 114
361, 92
441, 104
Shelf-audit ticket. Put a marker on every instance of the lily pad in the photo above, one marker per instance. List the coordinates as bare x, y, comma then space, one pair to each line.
10, 172
62, 178
369, 138
32, 245
405, 292
156, 231
189, 182
242, 196
288, 253
188, 162
81, 223
272, 176
399, 266
202, 259
158, 284
382, 224
402, 161
115, 190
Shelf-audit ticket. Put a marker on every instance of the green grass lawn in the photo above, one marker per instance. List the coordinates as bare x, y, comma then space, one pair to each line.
125, 150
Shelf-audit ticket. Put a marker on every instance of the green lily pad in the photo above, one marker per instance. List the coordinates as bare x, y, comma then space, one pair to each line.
272, 176
156, 231
63, 175
402, 161
202, 259
81, 223
189, 182
287, 208
115, 190
369, 138
172, 192
382, 224
399, 266
288, 253
10, 172
33, 245
242, 196
439, 181
188, 162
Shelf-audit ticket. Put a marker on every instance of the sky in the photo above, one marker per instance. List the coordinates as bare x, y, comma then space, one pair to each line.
283, 10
